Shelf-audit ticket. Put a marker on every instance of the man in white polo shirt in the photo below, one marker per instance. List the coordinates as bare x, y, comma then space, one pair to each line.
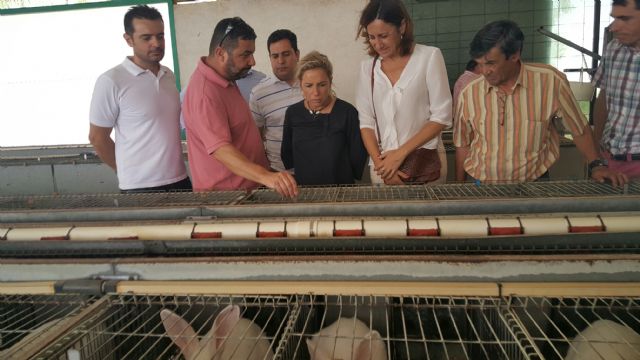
140, 100
272, 96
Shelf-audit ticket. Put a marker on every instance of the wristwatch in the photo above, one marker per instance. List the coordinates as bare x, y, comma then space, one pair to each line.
596, 163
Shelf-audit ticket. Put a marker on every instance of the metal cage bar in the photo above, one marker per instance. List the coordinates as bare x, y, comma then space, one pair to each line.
320, 195
410, 327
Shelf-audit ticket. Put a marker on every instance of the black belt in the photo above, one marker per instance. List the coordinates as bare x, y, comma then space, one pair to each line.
624, 157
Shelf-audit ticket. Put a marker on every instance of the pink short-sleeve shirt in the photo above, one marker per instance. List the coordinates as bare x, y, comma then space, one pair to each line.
215, 115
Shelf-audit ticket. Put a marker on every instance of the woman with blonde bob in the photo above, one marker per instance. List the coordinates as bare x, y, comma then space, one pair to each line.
321, 137
402, 96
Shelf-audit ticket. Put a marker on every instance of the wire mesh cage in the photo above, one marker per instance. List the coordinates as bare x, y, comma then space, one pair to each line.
321, 194
332, 326
558, 327
312, 326
410, 328
28, 319
132, 327
466, 191
456, 328
98, 201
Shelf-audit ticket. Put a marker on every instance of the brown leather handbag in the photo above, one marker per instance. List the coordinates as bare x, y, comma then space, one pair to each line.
421, 165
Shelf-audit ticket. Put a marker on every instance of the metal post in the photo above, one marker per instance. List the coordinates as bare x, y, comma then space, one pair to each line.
597, 7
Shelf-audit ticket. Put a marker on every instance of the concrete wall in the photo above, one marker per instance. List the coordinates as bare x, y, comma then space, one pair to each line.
328, 26
451, 24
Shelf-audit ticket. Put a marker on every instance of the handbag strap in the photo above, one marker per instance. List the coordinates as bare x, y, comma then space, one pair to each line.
375, 117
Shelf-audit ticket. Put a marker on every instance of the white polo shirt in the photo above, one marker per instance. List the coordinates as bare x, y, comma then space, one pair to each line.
144, 109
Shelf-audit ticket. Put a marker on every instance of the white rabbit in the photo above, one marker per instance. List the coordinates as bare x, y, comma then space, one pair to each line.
347, 338
231, 337
73, 354
605, 339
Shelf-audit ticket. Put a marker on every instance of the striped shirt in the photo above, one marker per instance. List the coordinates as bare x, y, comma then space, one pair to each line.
619, 76
513, 137
269, 102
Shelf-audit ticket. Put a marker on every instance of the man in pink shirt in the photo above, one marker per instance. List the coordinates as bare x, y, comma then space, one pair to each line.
224, 144
472, 71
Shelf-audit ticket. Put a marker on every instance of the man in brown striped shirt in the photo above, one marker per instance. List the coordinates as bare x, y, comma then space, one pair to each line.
505, 121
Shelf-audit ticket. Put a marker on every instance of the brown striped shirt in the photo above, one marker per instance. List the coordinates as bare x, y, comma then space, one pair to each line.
512, 137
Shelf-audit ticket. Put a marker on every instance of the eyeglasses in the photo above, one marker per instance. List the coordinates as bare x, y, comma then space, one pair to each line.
379, 11
226, 32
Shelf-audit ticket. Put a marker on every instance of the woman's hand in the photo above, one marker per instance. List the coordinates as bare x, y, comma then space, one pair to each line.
396, 179
389, 162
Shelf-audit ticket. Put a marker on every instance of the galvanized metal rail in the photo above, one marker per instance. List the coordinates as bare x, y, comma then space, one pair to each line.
410, 200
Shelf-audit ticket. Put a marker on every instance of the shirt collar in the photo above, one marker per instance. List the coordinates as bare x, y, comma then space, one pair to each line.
136, 70
211, 74
275, 80
521, 80
296, 84
633, 49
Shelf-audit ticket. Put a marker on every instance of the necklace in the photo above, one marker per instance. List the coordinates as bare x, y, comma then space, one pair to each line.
317, 111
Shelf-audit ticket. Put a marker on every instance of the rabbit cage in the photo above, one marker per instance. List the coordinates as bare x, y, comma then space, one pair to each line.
453, 271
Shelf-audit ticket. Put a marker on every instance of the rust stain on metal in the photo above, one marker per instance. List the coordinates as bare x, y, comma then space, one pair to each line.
591, 259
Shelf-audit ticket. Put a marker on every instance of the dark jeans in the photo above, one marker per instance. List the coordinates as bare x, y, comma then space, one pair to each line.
543, 177
182, 185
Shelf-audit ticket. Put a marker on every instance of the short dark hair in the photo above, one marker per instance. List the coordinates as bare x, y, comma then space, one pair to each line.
227, 33
283, 34
140, 12
624, 3
471, 65
503, 33
391, 12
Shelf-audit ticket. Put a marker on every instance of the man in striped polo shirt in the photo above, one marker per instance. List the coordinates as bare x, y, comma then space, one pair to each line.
617, 111
272, 96
505, 121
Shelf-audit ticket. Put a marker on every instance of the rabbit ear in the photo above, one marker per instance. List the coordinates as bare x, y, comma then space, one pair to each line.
371, 347
181, 333
311, 346
223, 325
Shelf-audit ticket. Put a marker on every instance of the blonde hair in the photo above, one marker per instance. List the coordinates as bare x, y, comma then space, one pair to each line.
315, 60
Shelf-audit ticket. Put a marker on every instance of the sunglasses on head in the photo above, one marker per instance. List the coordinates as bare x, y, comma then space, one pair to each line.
226, 32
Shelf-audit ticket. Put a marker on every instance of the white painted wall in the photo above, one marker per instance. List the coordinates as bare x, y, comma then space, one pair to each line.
328, 26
